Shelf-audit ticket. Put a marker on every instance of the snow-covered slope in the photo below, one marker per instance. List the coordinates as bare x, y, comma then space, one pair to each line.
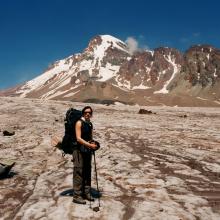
96, 62
175, 69
38, 82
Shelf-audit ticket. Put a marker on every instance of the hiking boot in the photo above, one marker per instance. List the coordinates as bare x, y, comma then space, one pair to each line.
79, 200
88, 197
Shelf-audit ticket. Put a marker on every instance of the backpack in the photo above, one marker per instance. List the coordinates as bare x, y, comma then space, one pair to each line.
69, 142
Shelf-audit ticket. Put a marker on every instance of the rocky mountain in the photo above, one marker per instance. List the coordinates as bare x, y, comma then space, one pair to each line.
106, 72
200, 73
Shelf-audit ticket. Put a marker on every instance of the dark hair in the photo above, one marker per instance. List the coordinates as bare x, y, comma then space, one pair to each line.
87, 107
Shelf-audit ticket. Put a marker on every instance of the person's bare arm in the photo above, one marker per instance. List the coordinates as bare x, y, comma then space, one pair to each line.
79, 139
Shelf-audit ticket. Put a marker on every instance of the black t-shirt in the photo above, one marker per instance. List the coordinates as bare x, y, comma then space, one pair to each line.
86, 130
86, 134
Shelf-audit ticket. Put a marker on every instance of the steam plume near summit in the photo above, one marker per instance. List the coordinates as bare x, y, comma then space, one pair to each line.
133, 45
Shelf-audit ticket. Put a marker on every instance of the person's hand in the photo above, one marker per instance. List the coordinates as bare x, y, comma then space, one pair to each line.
93, 146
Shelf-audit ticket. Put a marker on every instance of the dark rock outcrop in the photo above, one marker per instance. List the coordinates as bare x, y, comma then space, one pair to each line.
8, 132
144, 111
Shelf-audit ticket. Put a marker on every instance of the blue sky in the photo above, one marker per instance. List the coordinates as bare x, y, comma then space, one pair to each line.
35, 33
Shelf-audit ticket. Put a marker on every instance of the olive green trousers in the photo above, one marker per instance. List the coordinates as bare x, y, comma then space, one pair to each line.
81, 172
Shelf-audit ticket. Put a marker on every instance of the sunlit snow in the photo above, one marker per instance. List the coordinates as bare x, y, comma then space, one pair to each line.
175, 70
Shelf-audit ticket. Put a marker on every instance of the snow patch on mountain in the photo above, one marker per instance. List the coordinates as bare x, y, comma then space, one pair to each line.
126, 85
164, 90
98, 53
141, 86
215, 75
107, 72
54, 93
71, 94
99, 50
86, 65
114, 42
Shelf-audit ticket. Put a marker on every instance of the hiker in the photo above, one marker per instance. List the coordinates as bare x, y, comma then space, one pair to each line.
82, 156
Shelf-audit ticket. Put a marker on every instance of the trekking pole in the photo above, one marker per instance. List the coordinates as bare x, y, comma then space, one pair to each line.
90, 206
96, 179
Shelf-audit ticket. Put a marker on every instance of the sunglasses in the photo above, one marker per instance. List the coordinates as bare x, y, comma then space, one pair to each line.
88, 112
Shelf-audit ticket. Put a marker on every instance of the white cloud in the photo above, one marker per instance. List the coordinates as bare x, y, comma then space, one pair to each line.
134, 46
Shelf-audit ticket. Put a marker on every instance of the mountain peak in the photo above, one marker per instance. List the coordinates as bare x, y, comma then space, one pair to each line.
101, 43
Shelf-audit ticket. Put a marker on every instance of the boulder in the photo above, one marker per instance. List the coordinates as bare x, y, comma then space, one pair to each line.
8, 132
144, 111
